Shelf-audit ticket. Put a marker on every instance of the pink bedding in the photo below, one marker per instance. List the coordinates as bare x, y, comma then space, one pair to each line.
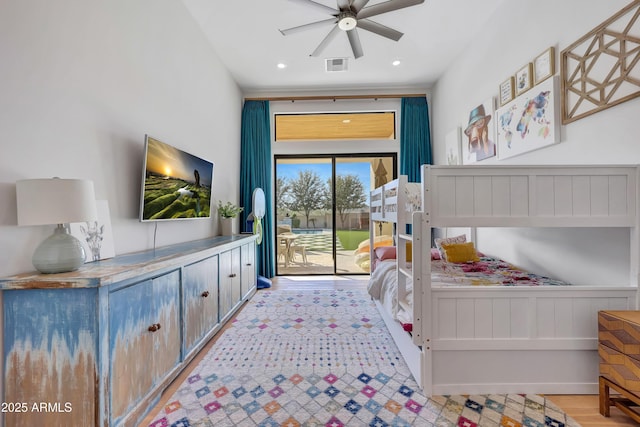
489, 271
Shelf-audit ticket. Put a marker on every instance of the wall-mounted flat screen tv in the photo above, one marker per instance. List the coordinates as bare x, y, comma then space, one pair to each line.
175, 185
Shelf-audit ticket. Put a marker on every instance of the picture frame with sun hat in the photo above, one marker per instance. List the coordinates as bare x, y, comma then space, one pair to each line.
479, 131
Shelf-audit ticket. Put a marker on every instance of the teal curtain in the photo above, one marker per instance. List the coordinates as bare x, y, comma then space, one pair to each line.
415, 139
255, 172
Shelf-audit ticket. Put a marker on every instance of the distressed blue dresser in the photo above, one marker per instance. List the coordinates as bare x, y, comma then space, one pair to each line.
96, 347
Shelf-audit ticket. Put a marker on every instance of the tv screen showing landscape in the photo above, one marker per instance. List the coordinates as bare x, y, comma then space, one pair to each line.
176, 184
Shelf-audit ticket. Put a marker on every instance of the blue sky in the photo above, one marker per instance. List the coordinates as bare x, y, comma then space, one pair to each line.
360, 169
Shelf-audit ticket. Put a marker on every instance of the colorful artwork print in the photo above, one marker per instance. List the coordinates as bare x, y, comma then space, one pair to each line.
479, 143
529, 122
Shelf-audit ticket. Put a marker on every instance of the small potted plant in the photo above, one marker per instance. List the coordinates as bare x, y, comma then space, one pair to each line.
228, 212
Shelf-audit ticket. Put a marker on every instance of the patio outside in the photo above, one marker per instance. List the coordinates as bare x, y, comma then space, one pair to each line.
321, 201
317, 245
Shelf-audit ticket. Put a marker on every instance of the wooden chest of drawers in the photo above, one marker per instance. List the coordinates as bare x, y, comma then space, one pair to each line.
619, 350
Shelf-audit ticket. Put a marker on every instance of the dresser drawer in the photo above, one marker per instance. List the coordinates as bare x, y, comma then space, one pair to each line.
620, 330
619, 368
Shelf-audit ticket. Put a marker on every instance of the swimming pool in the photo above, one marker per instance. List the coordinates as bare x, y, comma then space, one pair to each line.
311, 231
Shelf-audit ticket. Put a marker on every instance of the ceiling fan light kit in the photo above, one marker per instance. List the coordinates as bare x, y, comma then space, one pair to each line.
349, 15
347, 21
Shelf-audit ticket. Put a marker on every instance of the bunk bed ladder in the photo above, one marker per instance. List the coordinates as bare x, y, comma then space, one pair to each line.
421, 266
418, 288
401, 238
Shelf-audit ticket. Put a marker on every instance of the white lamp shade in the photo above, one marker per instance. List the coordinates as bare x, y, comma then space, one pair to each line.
55, 201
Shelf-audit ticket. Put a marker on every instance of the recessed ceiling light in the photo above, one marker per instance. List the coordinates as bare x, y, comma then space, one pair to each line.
282, 65
396, 63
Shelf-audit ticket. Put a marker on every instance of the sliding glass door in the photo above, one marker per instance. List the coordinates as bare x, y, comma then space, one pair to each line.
322, 211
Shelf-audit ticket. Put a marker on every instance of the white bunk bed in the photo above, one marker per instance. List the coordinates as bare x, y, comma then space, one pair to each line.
469, 339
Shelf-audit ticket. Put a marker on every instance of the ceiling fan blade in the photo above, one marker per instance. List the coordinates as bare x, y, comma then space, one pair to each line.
319, 5
357, 5
385, 7
354, 40
326, 41
380, 29
344, 4
304, 27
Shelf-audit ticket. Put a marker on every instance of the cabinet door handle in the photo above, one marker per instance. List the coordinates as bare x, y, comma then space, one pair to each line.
204, 294
232, 275
248, 264
154, 327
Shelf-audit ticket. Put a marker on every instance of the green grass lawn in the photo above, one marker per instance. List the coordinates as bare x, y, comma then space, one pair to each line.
351, 238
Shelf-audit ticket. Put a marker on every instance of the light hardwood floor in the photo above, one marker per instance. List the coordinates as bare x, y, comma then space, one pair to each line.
582, 408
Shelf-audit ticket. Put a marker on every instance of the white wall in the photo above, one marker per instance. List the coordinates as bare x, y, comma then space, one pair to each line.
81, 83
521, 31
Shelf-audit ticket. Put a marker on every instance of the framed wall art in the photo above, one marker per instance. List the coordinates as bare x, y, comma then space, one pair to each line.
601, 69
506, 91
523, 79
479, 138
529, 122
544, 66
96, 236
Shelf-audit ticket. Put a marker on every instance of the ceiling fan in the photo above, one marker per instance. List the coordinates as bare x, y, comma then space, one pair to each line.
350, 15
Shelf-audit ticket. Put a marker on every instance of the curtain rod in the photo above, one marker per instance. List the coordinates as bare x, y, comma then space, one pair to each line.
336, 97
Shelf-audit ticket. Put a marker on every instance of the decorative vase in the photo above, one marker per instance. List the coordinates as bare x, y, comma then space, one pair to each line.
227, 226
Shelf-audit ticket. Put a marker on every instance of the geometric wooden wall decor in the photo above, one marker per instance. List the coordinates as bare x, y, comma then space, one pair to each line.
601, 69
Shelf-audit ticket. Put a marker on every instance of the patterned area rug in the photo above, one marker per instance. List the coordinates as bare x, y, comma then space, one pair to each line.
325, 358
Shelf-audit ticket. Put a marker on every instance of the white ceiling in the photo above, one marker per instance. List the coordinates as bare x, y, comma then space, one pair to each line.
245, 34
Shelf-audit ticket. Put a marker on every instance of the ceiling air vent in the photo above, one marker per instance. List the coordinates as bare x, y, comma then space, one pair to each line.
333, 65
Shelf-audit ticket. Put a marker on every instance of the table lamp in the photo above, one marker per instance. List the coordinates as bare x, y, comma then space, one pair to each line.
56, 201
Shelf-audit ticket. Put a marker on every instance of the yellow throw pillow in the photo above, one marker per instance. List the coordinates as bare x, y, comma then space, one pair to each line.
457, 239
460, 252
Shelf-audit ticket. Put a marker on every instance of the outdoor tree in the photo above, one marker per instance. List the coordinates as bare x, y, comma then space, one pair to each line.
282, 194
307, 192
349, 195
